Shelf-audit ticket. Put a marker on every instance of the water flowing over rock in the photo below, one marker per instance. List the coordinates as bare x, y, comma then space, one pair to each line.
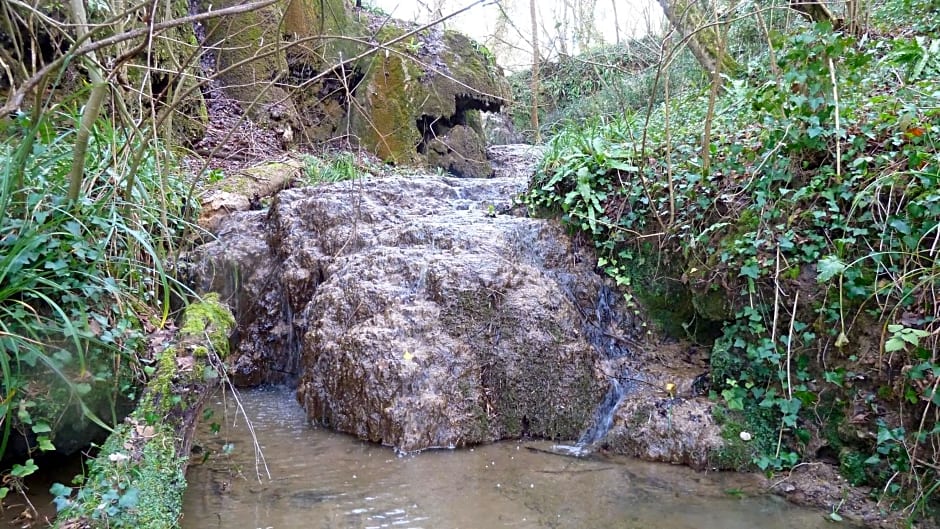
416, 312
429, 311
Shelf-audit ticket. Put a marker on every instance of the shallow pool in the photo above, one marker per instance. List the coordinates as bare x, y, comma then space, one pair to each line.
320, 479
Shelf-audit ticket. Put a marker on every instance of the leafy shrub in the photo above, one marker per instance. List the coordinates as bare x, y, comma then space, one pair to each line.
816, 223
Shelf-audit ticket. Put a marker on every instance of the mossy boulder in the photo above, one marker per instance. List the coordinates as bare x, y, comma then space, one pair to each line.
248, 68
137, 480
314, 66
406, 104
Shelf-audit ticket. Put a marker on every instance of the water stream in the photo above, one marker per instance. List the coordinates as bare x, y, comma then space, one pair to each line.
326, 480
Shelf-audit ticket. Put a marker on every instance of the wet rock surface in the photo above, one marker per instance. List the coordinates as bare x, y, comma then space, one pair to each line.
413, 313
431, 311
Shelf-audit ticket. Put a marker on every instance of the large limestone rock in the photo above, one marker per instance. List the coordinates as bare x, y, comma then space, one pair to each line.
416, 312
429, 311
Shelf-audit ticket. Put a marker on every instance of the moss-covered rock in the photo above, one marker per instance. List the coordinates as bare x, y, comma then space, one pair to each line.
336, 75
406, 105
390, 97
137, 480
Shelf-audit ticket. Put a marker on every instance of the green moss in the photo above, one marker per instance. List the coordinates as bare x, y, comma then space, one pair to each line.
137, 479
209, 318
132, 484
394, 94
712, 304
736, 453
668, 302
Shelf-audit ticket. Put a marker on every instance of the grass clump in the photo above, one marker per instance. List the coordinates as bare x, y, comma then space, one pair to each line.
329, 168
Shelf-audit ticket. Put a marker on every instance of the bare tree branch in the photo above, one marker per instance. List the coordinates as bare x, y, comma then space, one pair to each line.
16, 99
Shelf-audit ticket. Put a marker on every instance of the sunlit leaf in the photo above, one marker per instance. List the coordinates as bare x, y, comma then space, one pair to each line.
829, 267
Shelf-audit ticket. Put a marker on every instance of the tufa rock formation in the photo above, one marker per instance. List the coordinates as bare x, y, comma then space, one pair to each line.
422, 312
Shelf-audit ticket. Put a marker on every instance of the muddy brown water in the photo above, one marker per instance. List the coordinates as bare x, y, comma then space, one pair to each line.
320, 479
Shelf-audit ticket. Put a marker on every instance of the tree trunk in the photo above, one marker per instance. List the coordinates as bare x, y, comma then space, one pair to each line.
815, 11
705, 41
535, 72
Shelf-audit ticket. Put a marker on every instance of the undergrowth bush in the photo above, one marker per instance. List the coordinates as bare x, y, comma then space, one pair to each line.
809, 238
81, 282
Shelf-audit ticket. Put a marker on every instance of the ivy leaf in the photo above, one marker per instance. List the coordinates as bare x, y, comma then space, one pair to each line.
894, 344
60, 490
41, 427
26, 469
45, 444
751, 269
129, 499
900, 226
829, 267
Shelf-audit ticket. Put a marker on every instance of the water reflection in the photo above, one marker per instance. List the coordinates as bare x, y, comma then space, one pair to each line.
325, 480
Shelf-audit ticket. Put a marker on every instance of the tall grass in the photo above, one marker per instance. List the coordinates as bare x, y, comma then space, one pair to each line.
83, 281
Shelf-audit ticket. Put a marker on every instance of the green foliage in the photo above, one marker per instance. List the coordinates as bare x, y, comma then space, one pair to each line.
815, 221
332, 168
78, 278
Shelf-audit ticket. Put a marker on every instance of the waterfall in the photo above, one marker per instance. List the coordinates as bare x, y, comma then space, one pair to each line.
604, 330
603, 415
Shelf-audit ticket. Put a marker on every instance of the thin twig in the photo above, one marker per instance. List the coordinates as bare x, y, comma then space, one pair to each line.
835, 97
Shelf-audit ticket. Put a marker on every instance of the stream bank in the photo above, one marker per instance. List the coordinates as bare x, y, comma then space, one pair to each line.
138, 477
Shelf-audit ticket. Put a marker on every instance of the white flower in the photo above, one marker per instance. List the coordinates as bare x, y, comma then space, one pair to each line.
118, 457
745, 436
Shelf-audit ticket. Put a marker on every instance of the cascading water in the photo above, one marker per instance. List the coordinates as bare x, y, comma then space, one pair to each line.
605, 332
603, 416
